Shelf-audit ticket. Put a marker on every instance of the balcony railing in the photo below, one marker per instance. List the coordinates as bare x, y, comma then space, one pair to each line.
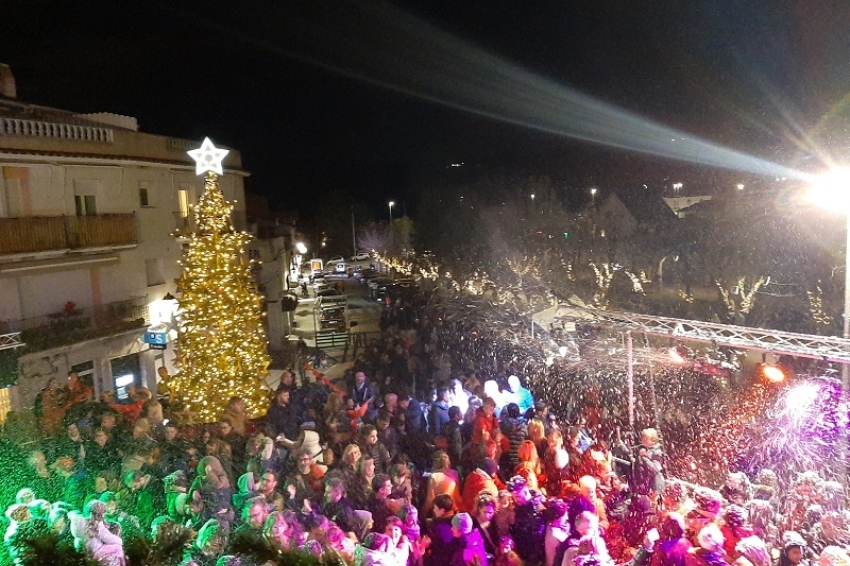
72, 324
31, 234
37, 128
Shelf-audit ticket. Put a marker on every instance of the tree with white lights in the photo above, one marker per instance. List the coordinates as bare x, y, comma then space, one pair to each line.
222, 346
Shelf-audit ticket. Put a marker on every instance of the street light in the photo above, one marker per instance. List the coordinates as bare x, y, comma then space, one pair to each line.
301, 248
392, 204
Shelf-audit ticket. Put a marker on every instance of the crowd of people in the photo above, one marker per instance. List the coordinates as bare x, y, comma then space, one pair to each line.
462, 468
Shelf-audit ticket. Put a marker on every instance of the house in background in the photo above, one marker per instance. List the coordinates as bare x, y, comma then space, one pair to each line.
89, 209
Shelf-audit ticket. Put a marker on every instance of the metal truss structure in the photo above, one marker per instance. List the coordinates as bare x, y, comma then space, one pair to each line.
9, 341
826, 348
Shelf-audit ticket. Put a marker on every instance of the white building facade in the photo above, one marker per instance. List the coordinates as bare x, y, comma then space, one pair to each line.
89, 209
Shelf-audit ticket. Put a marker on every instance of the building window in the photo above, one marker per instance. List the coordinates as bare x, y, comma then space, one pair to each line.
14, 199
85, 196
86, 205
153, 271
183, 202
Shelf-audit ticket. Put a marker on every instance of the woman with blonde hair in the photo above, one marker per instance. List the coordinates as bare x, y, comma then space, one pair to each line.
529, 465
537, 434
277, 532
443, 479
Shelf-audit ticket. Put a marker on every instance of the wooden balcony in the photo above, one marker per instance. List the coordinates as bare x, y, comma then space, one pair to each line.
33, 234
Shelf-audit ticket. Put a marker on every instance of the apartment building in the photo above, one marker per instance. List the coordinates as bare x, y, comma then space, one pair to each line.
89, 210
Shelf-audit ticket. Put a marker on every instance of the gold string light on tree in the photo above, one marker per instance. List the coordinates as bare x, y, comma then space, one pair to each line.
221, 343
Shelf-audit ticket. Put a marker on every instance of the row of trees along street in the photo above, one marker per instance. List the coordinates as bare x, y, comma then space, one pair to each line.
740, 258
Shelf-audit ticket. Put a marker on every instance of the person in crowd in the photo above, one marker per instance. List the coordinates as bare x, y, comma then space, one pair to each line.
648, 473
514, 431
254, 513
268, 489
414, 418
529, 465
380, 504
305, 485
363, 396
389, 434
673, 546
284, 418
483, 522
91, 533
247, 486
734, 529
335, 506
237, 417
280, 533
557, 529
529, 524
400, 548
209, 544
439, 412
482, 478
101, 453
486, 424
468, 546
443, 479
752, 551
440, 531
369, 444
452, 432
586, 524
519, 395
212, 482
588, 490
709, 552
366, 472
793, 551
235, 444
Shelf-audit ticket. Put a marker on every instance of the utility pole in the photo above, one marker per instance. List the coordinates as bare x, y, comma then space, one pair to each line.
353, 236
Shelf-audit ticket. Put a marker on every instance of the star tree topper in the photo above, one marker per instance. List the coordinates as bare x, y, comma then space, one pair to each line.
208, 158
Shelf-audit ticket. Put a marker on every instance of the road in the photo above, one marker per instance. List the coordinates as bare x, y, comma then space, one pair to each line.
360, 309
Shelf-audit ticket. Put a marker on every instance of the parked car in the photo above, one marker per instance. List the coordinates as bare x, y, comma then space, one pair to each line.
335, 260
332, 317
361, 256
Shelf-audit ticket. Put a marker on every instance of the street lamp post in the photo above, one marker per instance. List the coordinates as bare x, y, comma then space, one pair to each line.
392, 236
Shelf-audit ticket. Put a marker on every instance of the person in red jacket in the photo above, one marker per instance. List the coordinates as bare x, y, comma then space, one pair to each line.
482, 478
486, 425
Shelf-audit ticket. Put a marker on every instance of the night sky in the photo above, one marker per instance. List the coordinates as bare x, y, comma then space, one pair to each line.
315, 94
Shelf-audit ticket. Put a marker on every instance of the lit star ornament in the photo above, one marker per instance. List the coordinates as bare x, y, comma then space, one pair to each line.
208, 158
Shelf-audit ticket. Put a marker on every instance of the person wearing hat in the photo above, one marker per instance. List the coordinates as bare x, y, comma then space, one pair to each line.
793, 550
482, 478
710, 549
469, 546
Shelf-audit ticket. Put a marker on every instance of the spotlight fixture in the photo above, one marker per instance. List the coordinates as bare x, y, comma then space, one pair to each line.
772, 373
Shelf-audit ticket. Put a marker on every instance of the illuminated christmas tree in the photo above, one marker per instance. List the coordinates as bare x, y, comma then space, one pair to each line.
221, 343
